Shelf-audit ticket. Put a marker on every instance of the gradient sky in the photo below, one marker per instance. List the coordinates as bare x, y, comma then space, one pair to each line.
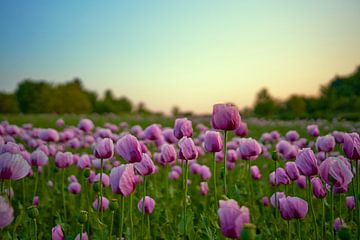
186, 53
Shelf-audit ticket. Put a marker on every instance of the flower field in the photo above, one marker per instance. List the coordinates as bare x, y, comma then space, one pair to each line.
216, 177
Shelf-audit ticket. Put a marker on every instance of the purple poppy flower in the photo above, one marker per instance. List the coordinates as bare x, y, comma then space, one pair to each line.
182, 128
213, 141
122, 179
325, 143
306, 162
104, 148
225, 117
232, 218
146, 166
6, 213
293, 208
57, 233
149, 205
128, 147
13, 166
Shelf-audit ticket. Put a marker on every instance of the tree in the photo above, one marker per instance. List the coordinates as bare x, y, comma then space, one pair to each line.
265, 104
8, 103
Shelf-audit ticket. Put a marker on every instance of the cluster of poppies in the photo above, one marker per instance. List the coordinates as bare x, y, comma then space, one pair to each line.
122, 158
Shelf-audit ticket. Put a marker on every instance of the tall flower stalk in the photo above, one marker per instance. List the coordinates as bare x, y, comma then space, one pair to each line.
311, 206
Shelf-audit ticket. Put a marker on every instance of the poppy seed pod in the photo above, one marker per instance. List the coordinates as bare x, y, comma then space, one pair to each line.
149, 205
225, 117
325, 143
351, 145
232, 218
182, 128
306, 162
128, 147
104, 148
188, 149
213, 141
293, 208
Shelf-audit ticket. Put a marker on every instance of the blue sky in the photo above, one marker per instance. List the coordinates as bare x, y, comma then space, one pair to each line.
186, 53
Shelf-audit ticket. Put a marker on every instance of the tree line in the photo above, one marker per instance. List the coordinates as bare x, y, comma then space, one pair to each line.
32, 96
339, 98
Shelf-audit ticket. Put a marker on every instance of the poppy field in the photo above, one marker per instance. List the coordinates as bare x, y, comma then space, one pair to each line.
215, 177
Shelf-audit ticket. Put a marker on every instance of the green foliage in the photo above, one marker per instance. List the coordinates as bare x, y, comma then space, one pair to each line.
339, 98
8, 103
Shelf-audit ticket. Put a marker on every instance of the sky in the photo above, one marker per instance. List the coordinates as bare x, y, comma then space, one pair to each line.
187, 53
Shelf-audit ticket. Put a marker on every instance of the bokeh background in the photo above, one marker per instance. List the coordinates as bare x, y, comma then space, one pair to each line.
273, 59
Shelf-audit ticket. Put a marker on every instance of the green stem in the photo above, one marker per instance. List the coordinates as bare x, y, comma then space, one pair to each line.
131, 217
122, 216
250, 183
112, 224
225, 159
35, 228
311, 206
185, 196
299, 228
36, 183
288, 229
323, 219
81, 231
23, 189
101, 190
148, 223
332, 213
143, 209
214, 178
63, 193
